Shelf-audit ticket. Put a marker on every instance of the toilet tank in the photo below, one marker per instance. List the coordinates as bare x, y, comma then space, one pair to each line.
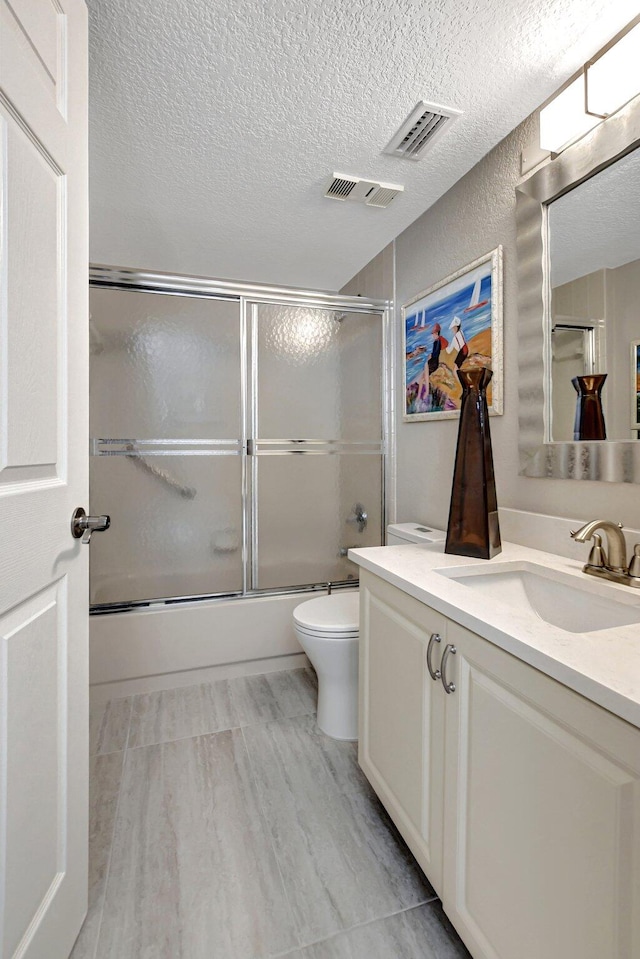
403, 533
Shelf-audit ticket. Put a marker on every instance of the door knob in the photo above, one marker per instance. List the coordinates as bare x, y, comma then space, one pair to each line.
83, 525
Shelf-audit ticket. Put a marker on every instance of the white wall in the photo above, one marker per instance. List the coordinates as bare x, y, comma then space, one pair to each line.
623, 299
476, 215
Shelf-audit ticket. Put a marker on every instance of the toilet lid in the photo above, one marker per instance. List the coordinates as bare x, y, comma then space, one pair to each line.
336, 613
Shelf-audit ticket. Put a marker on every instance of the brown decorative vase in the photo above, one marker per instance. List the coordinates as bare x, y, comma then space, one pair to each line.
589, 421
473, 528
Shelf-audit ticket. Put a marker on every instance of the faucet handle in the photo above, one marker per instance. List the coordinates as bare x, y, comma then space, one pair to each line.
634, 566
597, 556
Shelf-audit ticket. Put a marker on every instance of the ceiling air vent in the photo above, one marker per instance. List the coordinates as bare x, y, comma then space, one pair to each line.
420, 130
357, 190
341, 186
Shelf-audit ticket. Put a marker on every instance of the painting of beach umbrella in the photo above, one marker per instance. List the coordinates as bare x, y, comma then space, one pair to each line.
455, 323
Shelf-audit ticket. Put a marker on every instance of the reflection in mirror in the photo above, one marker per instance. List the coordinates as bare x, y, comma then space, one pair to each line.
594, 253
572, 355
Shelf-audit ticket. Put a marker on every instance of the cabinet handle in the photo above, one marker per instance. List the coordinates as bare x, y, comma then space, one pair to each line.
434, 673
448, 687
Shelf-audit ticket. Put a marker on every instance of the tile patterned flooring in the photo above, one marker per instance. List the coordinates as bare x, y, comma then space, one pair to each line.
225, 825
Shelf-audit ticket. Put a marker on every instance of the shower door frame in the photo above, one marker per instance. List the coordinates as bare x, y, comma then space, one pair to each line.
250, 297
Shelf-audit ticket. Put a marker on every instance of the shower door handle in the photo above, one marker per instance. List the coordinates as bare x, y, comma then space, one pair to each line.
83, 525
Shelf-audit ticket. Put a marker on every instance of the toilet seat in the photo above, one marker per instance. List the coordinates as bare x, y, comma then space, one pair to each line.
328, 635
333, 617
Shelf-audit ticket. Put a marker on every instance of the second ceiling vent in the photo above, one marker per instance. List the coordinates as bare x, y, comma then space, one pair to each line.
420, 130
341, 186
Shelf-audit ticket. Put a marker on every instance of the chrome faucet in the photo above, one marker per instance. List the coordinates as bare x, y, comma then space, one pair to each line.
616, 543
612, 562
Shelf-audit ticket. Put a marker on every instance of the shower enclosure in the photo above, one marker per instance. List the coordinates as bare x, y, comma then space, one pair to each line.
238, 437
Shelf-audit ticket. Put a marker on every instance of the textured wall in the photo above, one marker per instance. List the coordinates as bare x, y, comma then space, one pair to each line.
375, 279
476, 215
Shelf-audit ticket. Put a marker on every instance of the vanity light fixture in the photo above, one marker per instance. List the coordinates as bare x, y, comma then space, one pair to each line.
613, 78
565, 119
606, 83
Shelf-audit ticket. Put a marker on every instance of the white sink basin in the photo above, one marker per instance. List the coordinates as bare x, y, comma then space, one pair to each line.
560, 599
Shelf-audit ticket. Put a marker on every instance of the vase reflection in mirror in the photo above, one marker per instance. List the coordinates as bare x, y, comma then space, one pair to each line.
589, 421
473, 528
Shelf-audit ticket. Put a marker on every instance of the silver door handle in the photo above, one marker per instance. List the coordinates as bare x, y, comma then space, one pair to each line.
434, 673
448, 687
83, 525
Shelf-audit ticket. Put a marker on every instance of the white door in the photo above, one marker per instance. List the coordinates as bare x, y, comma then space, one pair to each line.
43, 476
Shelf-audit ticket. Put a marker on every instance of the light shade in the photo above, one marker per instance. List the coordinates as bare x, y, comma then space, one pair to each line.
614, 78
564, 119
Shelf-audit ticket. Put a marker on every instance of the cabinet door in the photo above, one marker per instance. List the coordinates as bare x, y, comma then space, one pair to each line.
542, 814
401, 716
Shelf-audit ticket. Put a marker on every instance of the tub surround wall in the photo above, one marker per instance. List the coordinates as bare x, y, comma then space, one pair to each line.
166, 646
476, 215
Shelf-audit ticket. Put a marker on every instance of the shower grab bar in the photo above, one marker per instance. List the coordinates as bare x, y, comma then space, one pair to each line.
188, 492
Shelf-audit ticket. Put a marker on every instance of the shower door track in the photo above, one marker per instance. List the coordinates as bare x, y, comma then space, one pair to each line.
249, 297
123, 278
333, 586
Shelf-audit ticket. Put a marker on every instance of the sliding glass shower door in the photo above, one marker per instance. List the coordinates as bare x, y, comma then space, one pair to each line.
166, 428
317, 428
236, 444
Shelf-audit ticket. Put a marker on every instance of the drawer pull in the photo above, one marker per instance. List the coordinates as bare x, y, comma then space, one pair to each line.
434, 673
448, 687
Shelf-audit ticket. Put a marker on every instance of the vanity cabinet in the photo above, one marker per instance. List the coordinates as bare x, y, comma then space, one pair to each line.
519, 797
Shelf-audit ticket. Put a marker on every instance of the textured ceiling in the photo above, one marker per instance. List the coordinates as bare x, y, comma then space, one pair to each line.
597, 224
214, 125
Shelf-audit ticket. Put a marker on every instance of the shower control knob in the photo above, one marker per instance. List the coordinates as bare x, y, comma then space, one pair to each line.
358, 517
83, 525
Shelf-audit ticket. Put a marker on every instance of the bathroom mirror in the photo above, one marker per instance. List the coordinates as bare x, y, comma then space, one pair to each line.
579, 302
594, 273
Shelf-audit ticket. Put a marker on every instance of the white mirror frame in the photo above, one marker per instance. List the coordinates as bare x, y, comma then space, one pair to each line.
609, 461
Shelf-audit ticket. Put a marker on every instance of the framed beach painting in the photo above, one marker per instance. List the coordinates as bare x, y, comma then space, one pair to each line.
635, 385
456, 322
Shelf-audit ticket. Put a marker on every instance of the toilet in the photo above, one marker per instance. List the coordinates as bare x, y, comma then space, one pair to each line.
327, 629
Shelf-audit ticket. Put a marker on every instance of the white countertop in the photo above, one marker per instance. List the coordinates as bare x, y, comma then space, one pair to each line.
603, 665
